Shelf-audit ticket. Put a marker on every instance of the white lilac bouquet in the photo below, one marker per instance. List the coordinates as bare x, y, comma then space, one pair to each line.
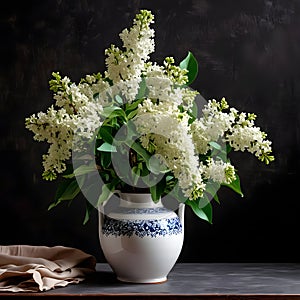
145, 128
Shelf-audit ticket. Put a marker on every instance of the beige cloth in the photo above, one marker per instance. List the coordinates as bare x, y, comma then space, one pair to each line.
25, 268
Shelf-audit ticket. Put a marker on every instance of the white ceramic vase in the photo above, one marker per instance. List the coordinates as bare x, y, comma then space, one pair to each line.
141, 240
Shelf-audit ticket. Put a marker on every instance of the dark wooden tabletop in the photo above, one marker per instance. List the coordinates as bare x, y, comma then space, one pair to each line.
190, 281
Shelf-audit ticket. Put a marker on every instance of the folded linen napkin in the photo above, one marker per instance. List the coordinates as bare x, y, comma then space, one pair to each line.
25, 268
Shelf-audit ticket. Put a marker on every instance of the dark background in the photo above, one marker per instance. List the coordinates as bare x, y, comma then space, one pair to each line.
248, 52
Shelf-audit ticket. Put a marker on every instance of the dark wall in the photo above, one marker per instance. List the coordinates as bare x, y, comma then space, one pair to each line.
248, 51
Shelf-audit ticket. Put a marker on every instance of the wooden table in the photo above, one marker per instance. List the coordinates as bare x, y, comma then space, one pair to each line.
213, 281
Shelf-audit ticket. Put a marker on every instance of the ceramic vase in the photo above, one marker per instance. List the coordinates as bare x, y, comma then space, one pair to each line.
141, 240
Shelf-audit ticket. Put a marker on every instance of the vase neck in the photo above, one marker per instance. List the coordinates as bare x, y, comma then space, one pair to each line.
138, 200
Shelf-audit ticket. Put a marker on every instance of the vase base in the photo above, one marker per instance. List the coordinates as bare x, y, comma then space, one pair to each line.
150, 280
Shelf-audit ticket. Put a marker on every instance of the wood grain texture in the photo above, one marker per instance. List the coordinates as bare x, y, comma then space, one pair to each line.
248, 51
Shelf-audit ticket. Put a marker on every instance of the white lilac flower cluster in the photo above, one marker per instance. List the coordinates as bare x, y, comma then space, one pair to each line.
74, 111
219, 121
77, 108
182, 144
165, 127
163, 118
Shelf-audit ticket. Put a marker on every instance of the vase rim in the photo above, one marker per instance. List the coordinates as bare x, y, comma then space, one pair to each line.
137, 193
139, 198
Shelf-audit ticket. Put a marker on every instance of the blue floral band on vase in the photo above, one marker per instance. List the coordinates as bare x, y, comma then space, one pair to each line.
141, 228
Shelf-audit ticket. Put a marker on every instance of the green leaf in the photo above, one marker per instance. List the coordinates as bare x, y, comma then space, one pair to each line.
132, 106
235, 186
178, 194
105, 194
92, 191
104, 133
113, 122
141, 151
190, 63
194, 111
132, 114
106, 147
81, 170
156, 166
142, 89
53, 204
59, 191
108, 110
67, 190
158, 189
228, 148
71, 191
105, 159
107, 190
205, 204
215, 145
62, 187
88, 209
216, 198
69, 175
119, 99
211, 188
136, 173
203, 212
113, 111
